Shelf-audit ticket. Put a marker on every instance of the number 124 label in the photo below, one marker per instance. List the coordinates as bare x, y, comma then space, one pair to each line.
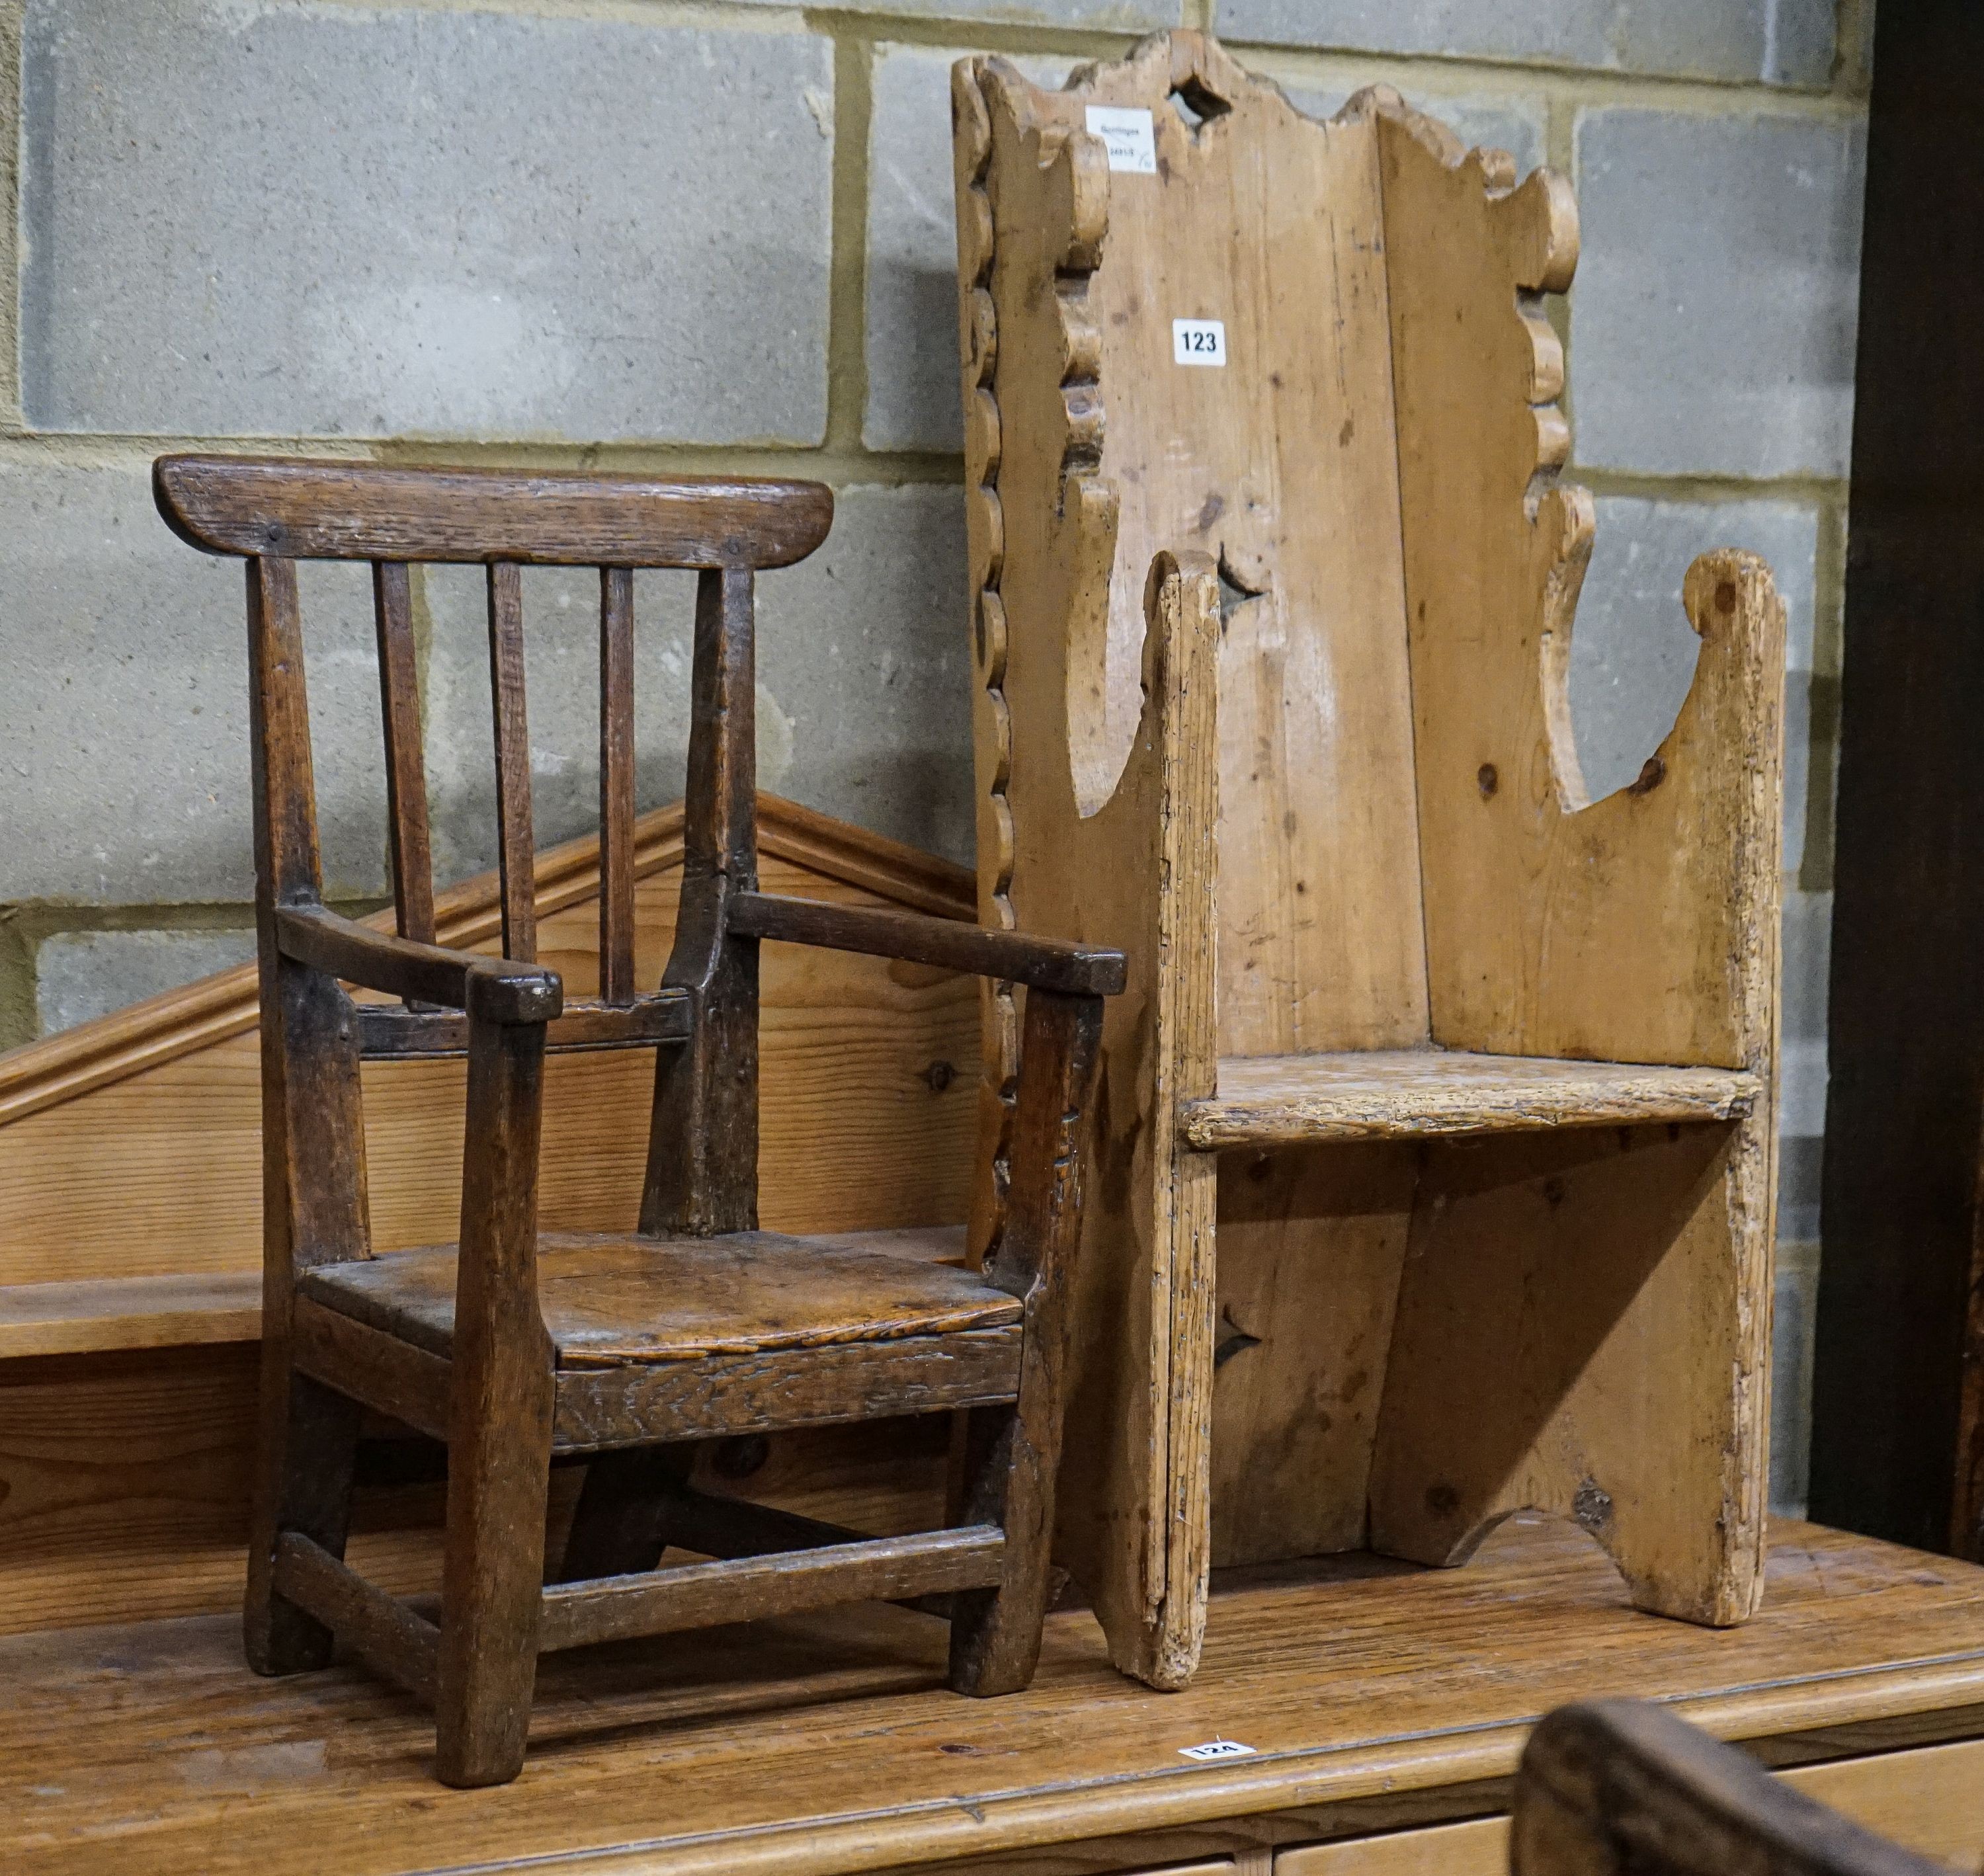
1198, 341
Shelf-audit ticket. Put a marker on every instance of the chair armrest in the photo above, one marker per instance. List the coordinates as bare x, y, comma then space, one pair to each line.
492, 988
1041, 964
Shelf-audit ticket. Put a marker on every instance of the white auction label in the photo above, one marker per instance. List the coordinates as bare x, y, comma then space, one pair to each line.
1217, 1749
1198, 341
1128, 136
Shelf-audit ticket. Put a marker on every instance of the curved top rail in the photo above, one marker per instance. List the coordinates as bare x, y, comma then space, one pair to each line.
297, 509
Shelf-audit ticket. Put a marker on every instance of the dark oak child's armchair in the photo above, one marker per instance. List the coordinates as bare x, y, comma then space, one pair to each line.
516, 1345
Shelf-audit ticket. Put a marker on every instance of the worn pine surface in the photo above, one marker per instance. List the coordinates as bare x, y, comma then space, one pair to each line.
1642, 927
130, 1312
1369, 1692
1384, 1095
1052, 848
1397, 850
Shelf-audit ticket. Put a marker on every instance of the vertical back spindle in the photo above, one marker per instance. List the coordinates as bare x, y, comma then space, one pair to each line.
616, 785
515, 844
406, 774
702, 1143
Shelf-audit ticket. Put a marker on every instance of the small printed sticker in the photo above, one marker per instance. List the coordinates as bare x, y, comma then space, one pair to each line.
1198, 341
1128, 136
1217, 1749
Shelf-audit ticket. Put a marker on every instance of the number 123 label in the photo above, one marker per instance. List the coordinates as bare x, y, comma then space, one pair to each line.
1198, 341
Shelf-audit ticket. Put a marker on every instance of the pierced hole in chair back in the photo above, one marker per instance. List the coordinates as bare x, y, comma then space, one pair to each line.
1198, 103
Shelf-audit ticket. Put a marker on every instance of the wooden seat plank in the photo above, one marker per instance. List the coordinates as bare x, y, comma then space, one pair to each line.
611, 1298
1402, 1094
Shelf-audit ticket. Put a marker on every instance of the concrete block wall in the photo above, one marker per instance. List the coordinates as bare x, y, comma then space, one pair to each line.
715, 235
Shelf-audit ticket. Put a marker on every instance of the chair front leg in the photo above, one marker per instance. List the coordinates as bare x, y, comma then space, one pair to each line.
1012, 1454
499, 1435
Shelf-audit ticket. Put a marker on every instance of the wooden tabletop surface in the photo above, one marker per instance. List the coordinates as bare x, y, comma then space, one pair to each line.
830, 1744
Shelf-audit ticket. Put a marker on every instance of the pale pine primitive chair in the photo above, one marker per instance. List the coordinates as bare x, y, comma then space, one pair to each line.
514, 1346
1439, 1108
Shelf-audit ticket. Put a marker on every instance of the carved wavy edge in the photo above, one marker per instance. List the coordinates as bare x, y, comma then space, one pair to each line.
1541, 234
976, 84
95, 1055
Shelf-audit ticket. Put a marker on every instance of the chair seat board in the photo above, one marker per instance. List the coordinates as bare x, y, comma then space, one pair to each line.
1397, 1093
611, 1298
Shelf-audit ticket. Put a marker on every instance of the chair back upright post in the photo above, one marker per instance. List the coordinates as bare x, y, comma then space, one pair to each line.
314, 1206
702, 1143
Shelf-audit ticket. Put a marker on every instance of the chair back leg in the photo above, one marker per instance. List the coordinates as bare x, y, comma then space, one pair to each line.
619, 1526
307, 1456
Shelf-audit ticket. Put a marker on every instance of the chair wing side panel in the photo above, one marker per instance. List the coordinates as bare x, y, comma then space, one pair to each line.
1641, 927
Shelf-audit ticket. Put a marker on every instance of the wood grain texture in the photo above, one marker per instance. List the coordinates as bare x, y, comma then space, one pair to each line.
577, 1614
762, 1392
180, 1022
409, 844
1925, 1799
1655, 908
1389, 1094
129, 1312
126, 1480
713, 1290
516, 845
608, 1300
617, 791
1014, 957
1610, 1786
581, 1023
1301, 1343
1062, 854
1395, 850
344, 511
1011, 1452
702, 1136
877, 1060
411, 1385
815, 1745
1526, 1370
381, 1630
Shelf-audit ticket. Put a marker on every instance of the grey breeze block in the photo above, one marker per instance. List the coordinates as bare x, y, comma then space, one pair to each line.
1778, 42
1713, 315
247, 220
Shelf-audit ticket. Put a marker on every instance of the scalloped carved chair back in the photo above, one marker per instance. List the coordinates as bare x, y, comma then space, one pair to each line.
626, 1349
1273, 580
